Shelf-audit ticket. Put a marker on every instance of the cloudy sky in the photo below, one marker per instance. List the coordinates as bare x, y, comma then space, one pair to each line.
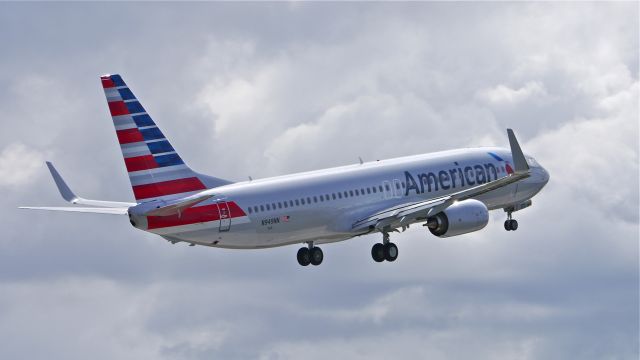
266, 89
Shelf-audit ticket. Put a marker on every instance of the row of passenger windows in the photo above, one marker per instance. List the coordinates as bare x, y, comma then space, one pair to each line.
321, 198
333, 196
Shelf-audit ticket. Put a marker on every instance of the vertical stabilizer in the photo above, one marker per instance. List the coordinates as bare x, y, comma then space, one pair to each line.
155, 168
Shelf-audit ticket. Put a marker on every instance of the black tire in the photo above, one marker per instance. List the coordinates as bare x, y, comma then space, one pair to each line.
316, 256
377, 252
507, 225
514, 225
390, 252
304, 256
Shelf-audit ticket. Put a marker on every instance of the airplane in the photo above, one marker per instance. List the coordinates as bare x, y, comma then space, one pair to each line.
449, 192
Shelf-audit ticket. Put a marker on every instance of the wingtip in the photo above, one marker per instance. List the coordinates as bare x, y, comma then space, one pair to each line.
519, 160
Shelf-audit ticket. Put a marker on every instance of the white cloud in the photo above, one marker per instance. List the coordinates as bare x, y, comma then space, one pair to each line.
266, 89
504, 95
19, 164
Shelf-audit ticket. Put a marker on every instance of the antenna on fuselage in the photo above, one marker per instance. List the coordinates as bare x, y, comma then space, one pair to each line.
361, 162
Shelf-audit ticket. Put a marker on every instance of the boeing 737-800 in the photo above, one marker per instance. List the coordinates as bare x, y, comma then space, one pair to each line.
449, 192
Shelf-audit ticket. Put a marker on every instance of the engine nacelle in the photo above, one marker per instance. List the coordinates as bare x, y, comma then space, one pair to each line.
460, 218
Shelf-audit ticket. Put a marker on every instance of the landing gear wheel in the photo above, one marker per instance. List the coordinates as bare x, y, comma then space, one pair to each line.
507, 225
390, 251
304, 256
511, 225
316, 256
378, 252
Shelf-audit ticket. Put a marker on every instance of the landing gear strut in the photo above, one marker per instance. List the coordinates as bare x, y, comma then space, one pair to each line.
385, 250
510, 224
310, 255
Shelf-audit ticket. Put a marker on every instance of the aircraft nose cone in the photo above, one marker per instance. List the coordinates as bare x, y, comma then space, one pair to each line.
543, 176
546, 175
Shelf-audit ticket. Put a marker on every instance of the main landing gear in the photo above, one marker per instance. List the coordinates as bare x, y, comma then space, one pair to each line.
385, 250
510, 224
310, 255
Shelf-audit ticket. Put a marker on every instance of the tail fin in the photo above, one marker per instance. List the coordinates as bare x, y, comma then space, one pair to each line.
155, 168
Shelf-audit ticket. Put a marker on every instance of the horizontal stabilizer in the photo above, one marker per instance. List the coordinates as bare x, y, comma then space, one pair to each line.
177, 206
95, 210
69, 196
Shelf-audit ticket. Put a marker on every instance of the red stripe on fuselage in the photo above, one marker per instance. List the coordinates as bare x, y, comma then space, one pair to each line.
167, 188
193, 215
118, 108
107, 82
138, 163
129, 136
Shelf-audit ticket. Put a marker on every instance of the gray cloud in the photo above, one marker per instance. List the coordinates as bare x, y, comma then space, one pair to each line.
265, 89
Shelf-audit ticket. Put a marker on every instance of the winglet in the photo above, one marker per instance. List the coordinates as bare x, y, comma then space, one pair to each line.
64, 189
519, 161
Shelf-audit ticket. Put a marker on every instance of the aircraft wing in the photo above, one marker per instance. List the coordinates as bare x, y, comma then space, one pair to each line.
95, 210
404, 214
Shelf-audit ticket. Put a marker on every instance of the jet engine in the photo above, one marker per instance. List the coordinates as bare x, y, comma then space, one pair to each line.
460, 218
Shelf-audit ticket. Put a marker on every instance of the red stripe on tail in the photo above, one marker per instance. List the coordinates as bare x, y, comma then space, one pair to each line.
129, 136
167, 188
138, 163
118, 108
107, 82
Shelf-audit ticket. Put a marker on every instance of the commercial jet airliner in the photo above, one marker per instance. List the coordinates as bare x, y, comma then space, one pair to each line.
450, 193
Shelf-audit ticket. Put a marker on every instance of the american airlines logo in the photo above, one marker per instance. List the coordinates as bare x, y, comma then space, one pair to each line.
450, 179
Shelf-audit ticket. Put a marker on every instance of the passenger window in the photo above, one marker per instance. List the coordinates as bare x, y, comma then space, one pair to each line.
398, 186
321, 197
286, 205
339, 195
403, 185
368, 190
268, 208
291, 203
315, 199
326, 197
357, 192
261, 207
302, 201
308, 200
362, 191
279, 205
380, 187
374, 189
387, 187
351, 193
297, 202
333, 196
250, 210
346, 195
273, 206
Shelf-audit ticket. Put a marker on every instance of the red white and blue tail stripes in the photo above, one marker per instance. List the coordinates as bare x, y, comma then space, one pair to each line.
155, 168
